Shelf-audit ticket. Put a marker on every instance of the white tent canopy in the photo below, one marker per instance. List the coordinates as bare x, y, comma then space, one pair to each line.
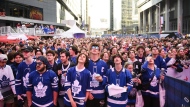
70, 33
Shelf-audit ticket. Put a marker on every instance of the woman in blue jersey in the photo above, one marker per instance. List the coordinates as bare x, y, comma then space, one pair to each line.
121, 77
77, 83
150, 78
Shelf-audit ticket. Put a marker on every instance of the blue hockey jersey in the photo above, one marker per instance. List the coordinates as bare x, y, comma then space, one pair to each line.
42, 87
153, 90
74, 59
160, 63
22, 77
79, 82
123, 78
98, 88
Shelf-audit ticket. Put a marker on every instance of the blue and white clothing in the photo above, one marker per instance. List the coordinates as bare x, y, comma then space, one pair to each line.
98, 88
160, 62
140, 59
74, 59
79, 83
6, 79
153, 90
122, 78
42, 87
22, 77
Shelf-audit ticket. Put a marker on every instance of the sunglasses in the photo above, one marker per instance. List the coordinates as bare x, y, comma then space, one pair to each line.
95, 47
39, 63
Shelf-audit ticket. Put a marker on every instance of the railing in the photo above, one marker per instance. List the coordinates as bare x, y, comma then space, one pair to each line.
27, 31
6, 30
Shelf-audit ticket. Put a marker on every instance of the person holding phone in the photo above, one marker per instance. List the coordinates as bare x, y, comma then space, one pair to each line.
98, 69
150, 83
121, 77
62, 72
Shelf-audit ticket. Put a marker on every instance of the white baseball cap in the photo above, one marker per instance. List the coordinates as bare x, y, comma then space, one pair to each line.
3, 57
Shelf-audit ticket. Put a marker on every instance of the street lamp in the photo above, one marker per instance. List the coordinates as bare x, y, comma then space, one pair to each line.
159, 18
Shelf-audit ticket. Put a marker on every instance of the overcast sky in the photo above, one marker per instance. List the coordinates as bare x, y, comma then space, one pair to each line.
99, 9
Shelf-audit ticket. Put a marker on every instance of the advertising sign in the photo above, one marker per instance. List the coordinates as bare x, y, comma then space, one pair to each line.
36, 13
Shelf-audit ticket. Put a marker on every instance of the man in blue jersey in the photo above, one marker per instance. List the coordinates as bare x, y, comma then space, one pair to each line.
24, 68
98, 69
120, 77
42, 88
77, 84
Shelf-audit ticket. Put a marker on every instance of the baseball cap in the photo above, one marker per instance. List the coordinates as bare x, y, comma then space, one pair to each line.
27, 48
43, 59
3, 57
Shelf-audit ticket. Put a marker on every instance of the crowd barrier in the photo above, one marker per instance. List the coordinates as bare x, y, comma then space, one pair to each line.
177, 92
185, 75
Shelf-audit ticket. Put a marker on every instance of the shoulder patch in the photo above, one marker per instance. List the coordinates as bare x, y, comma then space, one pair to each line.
112, 69
123, 70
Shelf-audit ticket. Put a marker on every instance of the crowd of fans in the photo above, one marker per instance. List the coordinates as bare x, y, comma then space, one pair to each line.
79, 72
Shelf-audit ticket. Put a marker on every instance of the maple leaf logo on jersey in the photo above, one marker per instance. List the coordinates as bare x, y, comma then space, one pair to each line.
76, 88
94, 83
4, 82
40, 90
117, 95
154, 82
26, 79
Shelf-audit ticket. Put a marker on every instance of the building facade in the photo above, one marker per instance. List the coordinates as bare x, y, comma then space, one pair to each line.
129, 16
117, 15
156, 16
47, 12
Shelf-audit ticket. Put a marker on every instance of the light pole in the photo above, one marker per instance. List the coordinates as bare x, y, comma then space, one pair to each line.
158, 6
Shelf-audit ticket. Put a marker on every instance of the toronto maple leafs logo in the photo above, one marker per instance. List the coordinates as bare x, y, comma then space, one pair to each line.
4, 82
26, 79
63, 78
40, 90
154, 82
117, 95
94, 83
76, 88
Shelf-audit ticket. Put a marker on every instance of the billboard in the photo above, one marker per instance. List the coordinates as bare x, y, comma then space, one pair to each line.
36, 13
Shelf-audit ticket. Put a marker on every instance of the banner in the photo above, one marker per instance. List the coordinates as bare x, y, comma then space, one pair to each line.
177, 92
185, 75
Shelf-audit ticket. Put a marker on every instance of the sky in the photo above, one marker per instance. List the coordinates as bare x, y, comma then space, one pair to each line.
99, 9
